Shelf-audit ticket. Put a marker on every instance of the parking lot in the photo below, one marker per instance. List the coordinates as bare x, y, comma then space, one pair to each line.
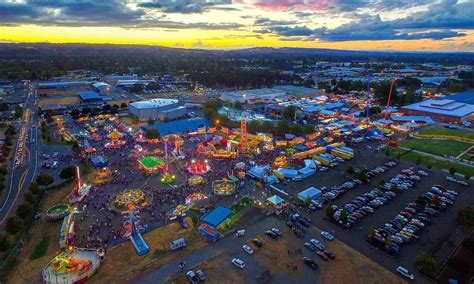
439, 238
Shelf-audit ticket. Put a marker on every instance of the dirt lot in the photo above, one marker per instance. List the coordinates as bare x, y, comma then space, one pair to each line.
123, 264
59, 101
460, 266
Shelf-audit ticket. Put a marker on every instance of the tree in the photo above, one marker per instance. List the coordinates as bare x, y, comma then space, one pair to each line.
34, 188
363, 176
13, 225
67, 172
466, 215
429, 166
137, 88
418, 160
123, 105
388, 240
381, 182
106, 108
329, 210
467, 177
307, 202
387, 152
238, 105
268, 126
399, 156
296, 129
18, 111
420, 201
44, 179
371, 232
308, 129
152, 133
452, 170
343, 216
289, 112
151, 121
4, 242
134, 119
350, 170
283, 126
24, 210
426, 264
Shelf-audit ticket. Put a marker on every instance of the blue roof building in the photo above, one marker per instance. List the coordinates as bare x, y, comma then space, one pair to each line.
216, 216
90, 96
179, 126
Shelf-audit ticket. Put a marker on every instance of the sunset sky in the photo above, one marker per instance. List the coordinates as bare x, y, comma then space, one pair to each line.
425, 25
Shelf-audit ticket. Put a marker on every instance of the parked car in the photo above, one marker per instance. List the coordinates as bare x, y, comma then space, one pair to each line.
271, 234
200, 274
318, 244
310, 246
277, 231
322, 255
403, 271
308, 261
192, 277
329, 254
257, 242
239, 263
247, 249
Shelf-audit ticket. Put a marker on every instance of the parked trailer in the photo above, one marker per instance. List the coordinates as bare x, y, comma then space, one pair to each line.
342, 154
322, 160
309, 153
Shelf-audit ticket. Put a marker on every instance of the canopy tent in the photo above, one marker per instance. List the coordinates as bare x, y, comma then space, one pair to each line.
309, 193
99, 161
275, 200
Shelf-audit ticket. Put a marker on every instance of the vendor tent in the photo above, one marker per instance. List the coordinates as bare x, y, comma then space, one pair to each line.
311, 193
275, 200
216, 216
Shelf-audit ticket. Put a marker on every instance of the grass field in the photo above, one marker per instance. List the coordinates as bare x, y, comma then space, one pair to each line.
436, 163
446, 131
436, 147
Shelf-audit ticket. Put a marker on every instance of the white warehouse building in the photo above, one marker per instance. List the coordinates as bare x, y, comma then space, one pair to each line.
158, 109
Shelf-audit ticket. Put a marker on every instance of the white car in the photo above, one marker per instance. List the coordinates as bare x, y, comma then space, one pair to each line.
327, 235
239, 263
247, 249
403, 271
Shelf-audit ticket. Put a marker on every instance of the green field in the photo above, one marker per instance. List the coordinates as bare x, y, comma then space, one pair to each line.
436, 147
446, 131
425, 160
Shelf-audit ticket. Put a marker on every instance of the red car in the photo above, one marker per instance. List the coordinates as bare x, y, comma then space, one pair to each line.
322, 255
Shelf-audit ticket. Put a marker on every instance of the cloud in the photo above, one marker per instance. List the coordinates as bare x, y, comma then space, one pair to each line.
186, 6
268, 22
99, 13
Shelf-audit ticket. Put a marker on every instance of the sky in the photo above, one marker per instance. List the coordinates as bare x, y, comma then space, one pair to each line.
403, 25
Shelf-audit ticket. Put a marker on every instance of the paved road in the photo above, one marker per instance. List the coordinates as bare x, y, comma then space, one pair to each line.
23, 174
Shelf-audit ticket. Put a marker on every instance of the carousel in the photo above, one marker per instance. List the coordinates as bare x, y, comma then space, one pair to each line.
223, 186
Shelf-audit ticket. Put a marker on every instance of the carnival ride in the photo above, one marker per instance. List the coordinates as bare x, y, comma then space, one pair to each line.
58, 211
132, 232
192, 198
130, 196
72, 266
116, 139
167, 177
197, 167
81, 190
195, 180
101, 175
280, 162
223, 186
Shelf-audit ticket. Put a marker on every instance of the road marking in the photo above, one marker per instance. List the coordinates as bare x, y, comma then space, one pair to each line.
20, 185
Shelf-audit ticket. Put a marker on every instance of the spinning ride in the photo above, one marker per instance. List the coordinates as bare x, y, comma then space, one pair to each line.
223, 186
57, 211
197, 167
130, 196
116, 138
81, 190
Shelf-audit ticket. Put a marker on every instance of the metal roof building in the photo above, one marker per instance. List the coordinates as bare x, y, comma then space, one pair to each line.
444, 110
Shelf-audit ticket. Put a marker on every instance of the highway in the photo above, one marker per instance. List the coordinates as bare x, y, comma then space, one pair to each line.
24, 165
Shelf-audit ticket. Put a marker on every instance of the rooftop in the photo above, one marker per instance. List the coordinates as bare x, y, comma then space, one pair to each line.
154, 103
89, 95
443, 107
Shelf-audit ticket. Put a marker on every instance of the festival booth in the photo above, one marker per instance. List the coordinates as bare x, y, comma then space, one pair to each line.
195, 180
151, 165
211, 220
277, 203
99, 161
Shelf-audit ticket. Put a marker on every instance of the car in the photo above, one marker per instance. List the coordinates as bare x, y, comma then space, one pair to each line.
247, 249
200, 274
403, 271
310, 262
318, 244
329, 254
271, 234
239, 263
193, 278
322, 255
310, 246
257, 242
304, 222
277, 231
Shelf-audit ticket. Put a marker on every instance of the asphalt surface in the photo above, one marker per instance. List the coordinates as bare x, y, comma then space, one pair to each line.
23, 174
